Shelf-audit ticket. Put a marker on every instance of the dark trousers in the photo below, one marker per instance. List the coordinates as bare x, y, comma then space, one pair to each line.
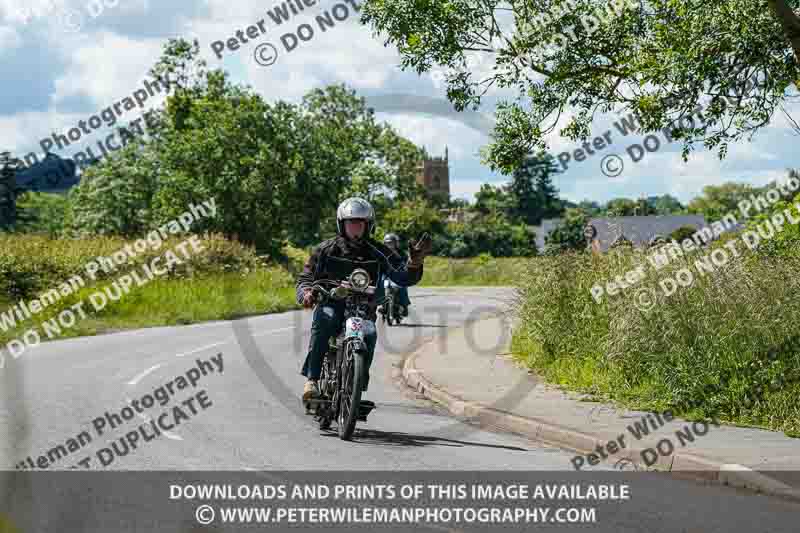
402, 297
325, 324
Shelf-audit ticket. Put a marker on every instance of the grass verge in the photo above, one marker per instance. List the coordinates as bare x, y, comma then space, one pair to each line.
727, 346
166, 302
476, 271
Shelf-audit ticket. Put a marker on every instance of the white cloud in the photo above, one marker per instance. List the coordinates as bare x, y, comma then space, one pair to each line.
106, 69
9, 39
104, 65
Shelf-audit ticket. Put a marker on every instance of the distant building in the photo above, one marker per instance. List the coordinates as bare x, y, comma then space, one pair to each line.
434, 175
639, 231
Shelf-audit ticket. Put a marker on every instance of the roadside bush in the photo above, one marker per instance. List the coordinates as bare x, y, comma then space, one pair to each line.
477, 271
30, 264
684, 232
490, 234
726, 346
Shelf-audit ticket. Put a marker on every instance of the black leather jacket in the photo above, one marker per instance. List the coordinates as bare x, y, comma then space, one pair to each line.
391, 264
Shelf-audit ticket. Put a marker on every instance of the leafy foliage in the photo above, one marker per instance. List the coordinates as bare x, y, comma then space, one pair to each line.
569, 235
719, 200
684, 232
40, 212
702, 351
409, 220
491, 234
276, 171
661, 58
531, 191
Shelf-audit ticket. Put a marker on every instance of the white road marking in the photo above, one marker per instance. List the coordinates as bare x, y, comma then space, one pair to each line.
230, 339
272, 331
200, 349
141, 376
138, 378
732, 467
148, 419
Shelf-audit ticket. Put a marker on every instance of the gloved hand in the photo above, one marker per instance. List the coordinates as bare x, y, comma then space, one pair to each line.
417, 251
308, 298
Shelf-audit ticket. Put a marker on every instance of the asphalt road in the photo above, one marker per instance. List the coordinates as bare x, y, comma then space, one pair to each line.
249, 416
61, 387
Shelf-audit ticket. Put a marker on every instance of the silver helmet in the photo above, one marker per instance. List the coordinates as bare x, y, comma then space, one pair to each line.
391, 237
355, 208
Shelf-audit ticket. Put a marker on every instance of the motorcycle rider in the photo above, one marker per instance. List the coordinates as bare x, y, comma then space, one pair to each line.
355, 222
392, 241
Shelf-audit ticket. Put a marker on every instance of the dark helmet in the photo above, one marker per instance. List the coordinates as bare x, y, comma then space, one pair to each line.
355, 208
391, 238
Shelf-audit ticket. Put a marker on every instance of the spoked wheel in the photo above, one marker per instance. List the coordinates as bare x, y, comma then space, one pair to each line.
387, 315
398, 317
352, 381
325, 419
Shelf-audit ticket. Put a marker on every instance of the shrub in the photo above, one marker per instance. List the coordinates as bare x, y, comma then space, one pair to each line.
30, 264
684, 232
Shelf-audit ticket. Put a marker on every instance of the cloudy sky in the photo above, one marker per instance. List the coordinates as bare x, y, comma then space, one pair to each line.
65, 60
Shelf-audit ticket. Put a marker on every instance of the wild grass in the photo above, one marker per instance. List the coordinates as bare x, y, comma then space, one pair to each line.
727, 346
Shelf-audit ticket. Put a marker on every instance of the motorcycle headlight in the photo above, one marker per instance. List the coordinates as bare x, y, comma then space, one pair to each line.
359, 279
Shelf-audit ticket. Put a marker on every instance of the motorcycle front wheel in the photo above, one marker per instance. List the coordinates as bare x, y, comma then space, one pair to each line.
352, 381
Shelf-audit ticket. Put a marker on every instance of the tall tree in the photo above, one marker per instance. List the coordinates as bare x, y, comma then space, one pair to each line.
569, 235
531, 191
592, 209
490, 199
719, 200
665, 205
660, 58
623, 207
276, 171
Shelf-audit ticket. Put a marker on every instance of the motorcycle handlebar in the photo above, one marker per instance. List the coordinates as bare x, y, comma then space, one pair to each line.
318, 288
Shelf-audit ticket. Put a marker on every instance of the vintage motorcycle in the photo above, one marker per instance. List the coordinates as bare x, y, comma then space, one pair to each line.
391, 310
344, 365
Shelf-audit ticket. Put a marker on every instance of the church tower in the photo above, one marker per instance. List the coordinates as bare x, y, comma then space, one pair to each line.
434, 175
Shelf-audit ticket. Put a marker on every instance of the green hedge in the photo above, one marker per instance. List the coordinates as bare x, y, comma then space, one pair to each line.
30, 264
